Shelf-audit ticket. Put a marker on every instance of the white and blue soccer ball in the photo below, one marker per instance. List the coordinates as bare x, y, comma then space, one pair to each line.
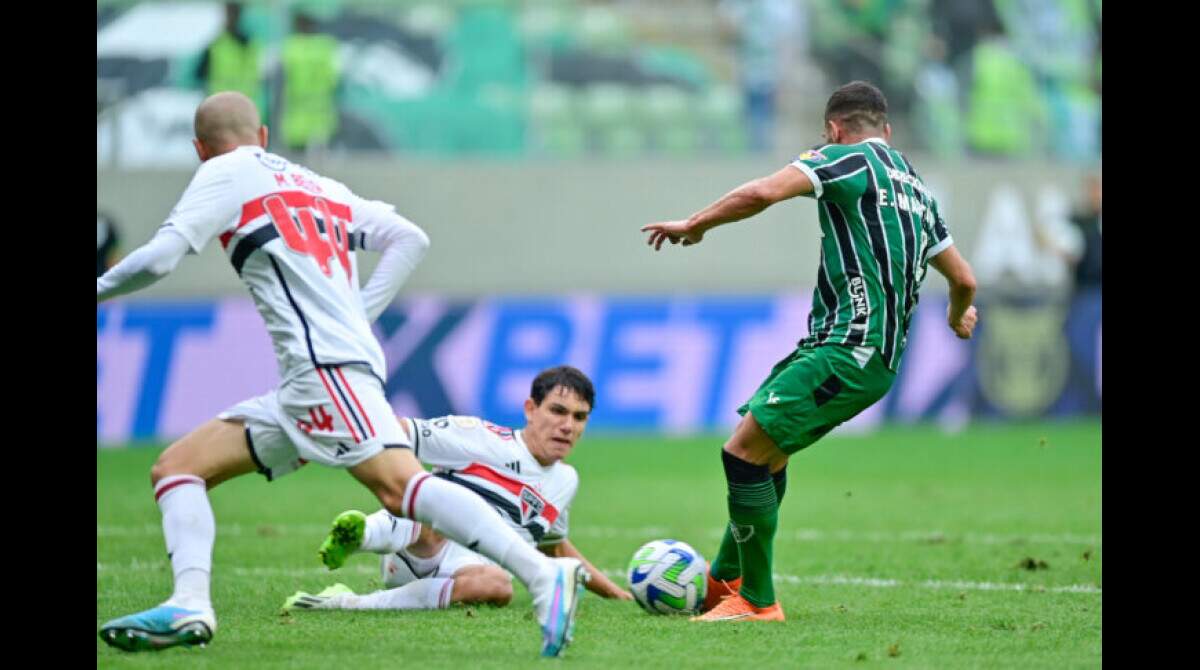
668, 577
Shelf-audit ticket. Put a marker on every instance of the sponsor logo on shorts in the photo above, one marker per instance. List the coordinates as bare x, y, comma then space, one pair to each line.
772, 399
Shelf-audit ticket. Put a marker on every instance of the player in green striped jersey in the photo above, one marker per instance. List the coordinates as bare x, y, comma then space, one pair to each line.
880, 228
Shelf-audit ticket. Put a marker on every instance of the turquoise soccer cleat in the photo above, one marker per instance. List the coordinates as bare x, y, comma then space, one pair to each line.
558, 628
159, 628
307, 601
344, 538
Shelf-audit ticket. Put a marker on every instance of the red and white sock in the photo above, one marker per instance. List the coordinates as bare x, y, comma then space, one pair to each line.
386, 533
423, 594
189, 530
464, 517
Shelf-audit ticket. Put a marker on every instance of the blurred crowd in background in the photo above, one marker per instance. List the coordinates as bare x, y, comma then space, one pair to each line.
1004, 79
559, 111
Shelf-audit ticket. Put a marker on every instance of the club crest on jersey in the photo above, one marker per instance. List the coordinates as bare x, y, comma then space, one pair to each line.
812, 155
531, 505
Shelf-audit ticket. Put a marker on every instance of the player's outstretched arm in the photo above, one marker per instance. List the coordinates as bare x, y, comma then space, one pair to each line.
146, 265
740, 203
402, 245
960, 315
599, 583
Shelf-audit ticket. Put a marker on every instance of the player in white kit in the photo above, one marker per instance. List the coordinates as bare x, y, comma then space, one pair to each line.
520, 473
291, 235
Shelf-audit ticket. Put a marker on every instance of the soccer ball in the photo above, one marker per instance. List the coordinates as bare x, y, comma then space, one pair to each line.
668, 577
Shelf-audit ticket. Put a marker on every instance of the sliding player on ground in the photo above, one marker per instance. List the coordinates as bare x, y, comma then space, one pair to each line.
521, 473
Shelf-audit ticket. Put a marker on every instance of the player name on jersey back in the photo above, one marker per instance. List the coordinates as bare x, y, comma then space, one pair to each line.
291, 235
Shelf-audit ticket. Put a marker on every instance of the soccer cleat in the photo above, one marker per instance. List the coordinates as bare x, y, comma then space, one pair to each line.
556, 602
737, 608
718, 590
344, 538
307, 601
159, 628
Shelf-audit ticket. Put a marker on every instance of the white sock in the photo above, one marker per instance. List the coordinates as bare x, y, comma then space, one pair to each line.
423, 594
189, 530
385, 533
464, 517
401, 567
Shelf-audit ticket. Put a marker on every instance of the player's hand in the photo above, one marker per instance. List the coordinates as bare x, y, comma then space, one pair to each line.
675, 231
966, 325
620, 594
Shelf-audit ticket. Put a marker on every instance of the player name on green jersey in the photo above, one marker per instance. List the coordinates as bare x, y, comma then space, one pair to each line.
880, 225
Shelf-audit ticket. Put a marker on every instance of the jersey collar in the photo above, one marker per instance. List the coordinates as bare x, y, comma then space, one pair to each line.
519, 435
877, 139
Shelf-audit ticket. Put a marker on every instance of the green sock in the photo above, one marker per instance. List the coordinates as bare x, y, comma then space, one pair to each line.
753, 515
728, 563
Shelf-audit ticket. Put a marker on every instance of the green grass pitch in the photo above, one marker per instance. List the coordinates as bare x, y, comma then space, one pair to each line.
905, 548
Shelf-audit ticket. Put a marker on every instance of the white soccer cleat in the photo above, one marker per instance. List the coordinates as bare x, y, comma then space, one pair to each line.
555, 599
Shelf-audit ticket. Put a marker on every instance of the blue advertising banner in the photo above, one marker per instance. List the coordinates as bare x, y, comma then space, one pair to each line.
668, 364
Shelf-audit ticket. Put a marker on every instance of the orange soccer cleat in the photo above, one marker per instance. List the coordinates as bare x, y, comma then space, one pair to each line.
718, 590
737, 608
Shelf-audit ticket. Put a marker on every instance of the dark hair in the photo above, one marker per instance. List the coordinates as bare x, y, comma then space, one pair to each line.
567, 377
857, 105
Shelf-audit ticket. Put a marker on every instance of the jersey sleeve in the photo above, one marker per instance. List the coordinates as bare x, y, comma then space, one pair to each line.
208, 206
558, 530
935, 230
449, 441
370, 216
838, 173
378, 228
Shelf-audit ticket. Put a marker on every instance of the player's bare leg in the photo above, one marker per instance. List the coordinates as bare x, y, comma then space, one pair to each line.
213, 453
406, 489
474, 584
750, 456
482, 584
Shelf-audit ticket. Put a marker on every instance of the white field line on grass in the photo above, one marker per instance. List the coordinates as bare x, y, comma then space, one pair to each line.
881, 583
648, 532
815, 580
149, 566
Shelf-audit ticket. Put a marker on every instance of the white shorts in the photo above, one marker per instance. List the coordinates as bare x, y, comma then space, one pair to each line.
402, 567
336, 416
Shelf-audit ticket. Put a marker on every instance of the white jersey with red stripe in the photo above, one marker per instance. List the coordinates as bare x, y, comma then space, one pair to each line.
494, 462
291, 236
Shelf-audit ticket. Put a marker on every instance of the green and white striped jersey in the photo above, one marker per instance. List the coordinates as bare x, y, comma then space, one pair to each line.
880, 225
